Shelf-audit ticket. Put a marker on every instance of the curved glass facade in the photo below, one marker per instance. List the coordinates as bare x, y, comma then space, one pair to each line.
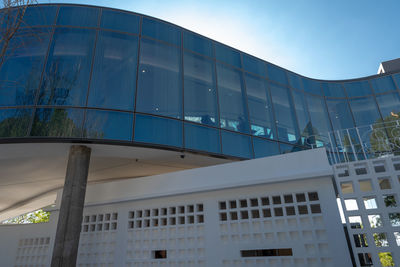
99, 74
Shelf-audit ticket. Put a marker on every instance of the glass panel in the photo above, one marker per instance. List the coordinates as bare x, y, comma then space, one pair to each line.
340, 114
265, 148
160, 84
260, 107
39, 15
120, 21
228, 55
200, 90
303, 117
389, 106
57, 122
14, 122
197, 43
284, 114
113, 80
312, 87
236, 145
202, 138
66, 77
78, 16
254, 65
319, 119
360, 88
396, 78
161, 31
333, 90
20, 73
156, 130
233, 110
101, 124
383, 84
364, 110
295, 80
277, 74
286, 148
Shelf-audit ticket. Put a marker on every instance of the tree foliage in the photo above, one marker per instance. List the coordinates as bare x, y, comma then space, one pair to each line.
38, 216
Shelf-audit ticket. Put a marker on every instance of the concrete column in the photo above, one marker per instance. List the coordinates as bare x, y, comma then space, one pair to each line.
71, 210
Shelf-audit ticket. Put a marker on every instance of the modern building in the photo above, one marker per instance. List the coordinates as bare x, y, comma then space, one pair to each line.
191, 142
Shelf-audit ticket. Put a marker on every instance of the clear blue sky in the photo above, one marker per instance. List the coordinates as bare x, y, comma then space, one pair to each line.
323, 39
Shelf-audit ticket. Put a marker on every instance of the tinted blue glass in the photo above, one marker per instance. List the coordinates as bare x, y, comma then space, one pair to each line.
340, 114
321, 125
200, 90
14, 122
156, 130
228, 55
160, 84
119, 21
66, 77
197, 43
57, 122
161, 31
254, 65
78, 16
303, 118
20, 73
284, 114
396, 78
286, 148
277, 74
232, 100
202, 138
383, 84
236, 145
360, 88
389, 105
364, 110
260, 107
39, 15
333, 90
114, 125
264, 148
295, 80
113, 80
312, 87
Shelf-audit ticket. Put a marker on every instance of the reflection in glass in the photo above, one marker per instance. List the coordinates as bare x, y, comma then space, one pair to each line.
197, 43
78, 16
254, 65
359, 88
233, 110
365, 111
295, 81
120, 21
155, 130
20, 73
396, 78
159, 81
264, 148
227, 55
113, 80
14, 122
383, 84
303, 118
200, 91
39, 15
312, 87
286, 148
333, 90
284, 114
57, 122
276, 74
202, 138
236, 145
260, 107
389, 105
340, 114
66, 77
319, 119
161, 31
101, 124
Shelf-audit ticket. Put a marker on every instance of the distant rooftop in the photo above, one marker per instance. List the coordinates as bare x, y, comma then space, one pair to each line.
389, 66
